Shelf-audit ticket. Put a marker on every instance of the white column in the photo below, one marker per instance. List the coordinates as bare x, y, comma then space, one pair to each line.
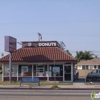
32, 71
72, 72
63, 73
17, 72
48, 73
3, 72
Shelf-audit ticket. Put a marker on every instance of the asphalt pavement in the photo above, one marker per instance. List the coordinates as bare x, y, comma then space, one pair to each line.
46, 92
45, 98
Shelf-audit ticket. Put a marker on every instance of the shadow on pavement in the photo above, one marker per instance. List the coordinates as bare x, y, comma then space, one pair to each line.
82, 80
79, 80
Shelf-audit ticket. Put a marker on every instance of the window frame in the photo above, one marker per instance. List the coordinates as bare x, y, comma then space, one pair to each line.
42, 73
14, 70
95, 66
51, 70
87, 67
83, 67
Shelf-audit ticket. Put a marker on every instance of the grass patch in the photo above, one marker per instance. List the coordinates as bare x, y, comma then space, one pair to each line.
57, 83
55, 87
92, 83
41, 83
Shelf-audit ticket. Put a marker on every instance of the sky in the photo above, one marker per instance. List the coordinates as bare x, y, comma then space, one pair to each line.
75, 22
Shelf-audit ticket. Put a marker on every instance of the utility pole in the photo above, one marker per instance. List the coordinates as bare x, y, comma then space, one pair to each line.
54, 72
10, 67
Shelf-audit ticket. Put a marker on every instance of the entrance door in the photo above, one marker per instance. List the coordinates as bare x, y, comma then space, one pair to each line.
67, 73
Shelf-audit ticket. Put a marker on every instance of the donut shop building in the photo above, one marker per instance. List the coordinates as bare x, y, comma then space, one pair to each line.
43, 59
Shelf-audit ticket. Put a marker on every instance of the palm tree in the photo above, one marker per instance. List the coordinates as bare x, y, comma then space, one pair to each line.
87, 55
79, 55
2, 54
68, 52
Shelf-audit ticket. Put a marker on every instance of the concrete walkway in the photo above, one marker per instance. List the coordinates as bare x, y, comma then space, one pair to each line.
75, 85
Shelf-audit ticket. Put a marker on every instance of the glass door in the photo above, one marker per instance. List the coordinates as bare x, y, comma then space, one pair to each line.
67, 73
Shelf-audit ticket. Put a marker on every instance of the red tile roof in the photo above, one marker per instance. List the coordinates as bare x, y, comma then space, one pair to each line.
40, 54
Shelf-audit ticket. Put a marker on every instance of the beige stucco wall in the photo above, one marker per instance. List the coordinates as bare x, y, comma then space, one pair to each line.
83, 72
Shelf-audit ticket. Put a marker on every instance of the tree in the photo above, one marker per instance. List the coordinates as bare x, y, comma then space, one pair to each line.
2, 54
87, 55
68, 52
79, 55
96, 56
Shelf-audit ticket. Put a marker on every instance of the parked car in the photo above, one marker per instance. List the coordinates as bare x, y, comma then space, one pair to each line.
94, 75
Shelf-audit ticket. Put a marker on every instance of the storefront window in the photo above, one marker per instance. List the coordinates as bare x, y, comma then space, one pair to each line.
56, 70
14, 70
25, 70
40, 71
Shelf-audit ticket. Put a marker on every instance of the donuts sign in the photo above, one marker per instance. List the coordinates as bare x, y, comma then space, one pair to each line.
50, 44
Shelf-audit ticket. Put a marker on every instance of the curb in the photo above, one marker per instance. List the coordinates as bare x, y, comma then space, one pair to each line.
51, 88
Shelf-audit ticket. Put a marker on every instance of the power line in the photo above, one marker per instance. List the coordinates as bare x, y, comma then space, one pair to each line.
62, 35
53, 22
57, 33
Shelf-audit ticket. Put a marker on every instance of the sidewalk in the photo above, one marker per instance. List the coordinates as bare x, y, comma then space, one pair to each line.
74, 86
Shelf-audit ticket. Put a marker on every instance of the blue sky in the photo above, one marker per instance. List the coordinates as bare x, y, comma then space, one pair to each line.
75, 22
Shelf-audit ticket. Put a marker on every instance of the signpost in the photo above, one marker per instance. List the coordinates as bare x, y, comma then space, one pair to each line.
10, 46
